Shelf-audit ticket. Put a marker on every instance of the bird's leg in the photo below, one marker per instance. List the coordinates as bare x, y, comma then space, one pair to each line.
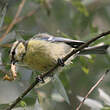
61, 63
40, 79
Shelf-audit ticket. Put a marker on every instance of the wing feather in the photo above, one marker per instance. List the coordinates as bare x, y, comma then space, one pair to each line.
50, 38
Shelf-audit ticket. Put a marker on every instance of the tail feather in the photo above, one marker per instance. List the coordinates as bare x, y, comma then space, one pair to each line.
95, 50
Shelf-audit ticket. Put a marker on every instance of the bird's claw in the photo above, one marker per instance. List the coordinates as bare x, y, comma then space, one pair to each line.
61, 62
40, 79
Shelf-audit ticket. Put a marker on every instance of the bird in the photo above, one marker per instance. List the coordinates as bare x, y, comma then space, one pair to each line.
43, 50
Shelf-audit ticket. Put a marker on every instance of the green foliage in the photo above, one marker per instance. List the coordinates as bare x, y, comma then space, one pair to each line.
23, 103
106, 108
8, 19
80, 7
84, 64
64, 78
5, 56
85, 70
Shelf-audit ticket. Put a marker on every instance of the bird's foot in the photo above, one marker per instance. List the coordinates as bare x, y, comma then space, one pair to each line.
40, 79
61, 62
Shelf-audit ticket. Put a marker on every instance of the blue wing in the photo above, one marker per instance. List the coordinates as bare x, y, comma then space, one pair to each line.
50, 38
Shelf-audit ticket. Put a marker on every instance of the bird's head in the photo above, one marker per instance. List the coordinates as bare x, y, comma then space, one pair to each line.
17, 51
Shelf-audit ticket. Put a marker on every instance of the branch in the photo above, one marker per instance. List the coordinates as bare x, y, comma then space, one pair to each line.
6, 45
46, 74
14, 20
94, 86
19, 19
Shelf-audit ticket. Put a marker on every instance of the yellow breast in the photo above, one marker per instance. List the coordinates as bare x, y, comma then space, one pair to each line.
42, 55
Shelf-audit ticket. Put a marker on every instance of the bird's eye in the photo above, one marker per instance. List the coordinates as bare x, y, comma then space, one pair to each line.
13, 53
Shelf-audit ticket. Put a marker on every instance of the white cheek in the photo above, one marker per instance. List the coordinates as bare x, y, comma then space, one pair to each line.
16, 51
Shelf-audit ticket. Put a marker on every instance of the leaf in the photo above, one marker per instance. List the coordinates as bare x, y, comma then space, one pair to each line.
60, 88
93, 104
104, 96
85, 70
105, 108
57, 97
23, 103
37, 106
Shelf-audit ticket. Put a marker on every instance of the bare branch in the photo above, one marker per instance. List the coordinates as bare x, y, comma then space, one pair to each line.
19, 19
90, 91
14, 20
6, 45
46, 74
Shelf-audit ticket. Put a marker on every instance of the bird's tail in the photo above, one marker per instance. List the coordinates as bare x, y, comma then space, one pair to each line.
102, 49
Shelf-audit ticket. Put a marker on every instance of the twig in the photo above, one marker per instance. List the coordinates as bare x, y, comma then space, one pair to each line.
52, 69
85, 45
19, 19
6, 45
89, 92
14, 20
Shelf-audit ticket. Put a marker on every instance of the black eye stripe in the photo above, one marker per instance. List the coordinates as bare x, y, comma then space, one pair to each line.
13, 51
17, 45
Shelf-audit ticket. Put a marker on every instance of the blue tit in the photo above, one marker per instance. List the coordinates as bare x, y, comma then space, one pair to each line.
43, 51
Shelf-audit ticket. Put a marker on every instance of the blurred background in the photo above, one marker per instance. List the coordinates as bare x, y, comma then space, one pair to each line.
75, 19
